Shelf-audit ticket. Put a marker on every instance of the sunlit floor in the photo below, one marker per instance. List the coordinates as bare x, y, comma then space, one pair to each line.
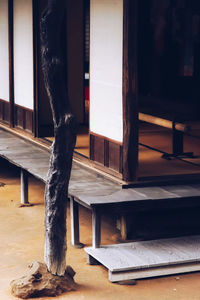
82, 141
151, 162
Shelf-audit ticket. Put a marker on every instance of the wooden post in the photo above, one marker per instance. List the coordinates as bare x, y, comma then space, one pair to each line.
96, 229
130, 97
177, 141
65, 126
74, 211
24, 187
11, 73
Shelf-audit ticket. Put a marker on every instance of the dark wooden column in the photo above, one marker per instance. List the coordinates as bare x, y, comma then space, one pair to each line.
130, 98
11, 73
36, 53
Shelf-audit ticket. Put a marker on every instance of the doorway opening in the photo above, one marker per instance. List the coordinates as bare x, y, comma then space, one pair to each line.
76, 48
83, 141
168, 86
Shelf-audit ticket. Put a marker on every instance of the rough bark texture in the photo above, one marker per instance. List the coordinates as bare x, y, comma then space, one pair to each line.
38, 282
65, 137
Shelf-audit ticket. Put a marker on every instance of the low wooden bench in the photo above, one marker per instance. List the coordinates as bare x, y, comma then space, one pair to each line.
178, 131
130, 200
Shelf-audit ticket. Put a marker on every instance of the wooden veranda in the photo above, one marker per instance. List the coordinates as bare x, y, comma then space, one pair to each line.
99, 193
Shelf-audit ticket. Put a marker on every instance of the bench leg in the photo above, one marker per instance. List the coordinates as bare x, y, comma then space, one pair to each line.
177, 142
74, 211
24, 187
92, 261
128, 226
177, 146
96, 229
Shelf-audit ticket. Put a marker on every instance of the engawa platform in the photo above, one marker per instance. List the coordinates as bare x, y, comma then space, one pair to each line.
35, 160
97, 192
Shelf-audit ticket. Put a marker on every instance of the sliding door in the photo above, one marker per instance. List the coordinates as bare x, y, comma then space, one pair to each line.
4, 62
106, 70
23, 63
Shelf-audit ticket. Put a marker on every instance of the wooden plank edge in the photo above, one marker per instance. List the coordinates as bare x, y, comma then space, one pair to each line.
21, 167
153, 272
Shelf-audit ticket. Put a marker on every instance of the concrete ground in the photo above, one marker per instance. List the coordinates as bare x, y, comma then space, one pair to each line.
22, 241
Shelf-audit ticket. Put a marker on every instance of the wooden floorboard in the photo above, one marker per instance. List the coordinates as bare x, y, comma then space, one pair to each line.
35, 160
151, 162
144, 195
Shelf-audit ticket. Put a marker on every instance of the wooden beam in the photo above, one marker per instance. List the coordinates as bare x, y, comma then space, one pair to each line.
130, 98
163, 122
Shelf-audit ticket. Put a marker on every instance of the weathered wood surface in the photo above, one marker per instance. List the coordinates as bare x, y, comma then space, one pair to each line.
65, 127
130, 91
86, 185
153, 272
145, 195
149, 256
163, 122
35, 160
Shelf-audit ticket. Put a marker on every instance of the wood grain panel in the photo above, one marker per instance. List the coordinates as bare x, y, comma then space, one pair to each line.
99, 152
6, 115
106, 152
29, 120
19, 118
4, 111
115, 157
24, 118
1, 110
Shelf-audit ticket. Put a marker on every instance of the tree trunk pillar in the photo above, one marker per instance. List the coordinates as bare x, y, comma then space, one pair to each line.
56, 192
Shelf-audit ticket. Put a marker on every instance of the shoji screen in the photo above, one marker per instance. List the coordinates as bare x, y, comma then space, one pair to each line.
23, 53
4, 51
106, 43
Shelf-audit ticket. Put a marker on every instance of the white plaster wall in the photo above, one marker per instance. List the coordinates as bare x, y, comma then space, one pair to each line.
106, 38
23, 53
4, 51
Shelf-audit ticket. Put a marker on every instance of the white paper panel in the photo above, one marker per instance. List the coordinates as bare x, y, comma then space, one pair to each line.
4, 51
106, 35
23, 53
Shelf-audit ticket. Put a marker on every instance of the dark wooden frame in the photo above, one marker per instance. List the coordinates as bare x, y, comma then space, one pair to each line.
7, 107
130, 91
19, 116
84, 54
35, 66
11, 65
